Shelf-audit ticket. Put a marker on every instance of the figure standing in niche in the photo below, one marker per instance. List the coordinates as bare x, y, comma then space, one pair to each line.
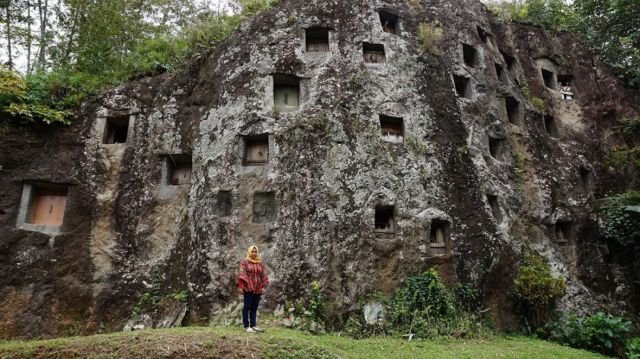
252, 281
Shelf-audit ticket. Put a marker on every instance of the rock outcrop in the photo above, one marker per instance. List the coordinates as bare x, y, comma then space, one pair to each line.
333, 137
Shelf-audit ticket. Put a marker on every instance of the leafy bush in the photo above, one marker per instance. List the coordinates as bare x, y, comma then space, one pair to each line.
429, 36
310, 317
600, 332
620, 216
633, 349
537, 290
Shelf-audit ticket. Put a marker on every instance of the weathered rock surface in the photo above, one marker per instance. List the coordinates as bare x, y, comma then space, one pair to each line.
489, 177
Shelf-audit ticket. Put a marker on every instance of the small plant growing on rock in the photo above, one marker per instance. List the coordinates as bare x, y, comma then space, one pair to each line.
429, 36
537, 290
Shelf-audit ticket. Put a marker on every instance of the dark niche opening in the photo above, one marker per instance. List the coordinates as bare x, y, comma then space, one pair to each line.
224, 203
564, 232
514, 112
286, 93
497, 148
179, 169
566, 86
47, 205
463, 86
470, 55
389, 22
373, 53
256, 149
509, 60
485, 37
116, 130
586, 178
439, 237
549, 78
551, 127
264, 207
317, 39
495, 207
499, 72
392, 129
384, 222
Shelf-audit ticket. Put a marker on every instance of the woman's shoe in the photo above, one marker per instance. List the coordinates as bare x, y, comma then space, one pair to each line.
249, 330
256, 329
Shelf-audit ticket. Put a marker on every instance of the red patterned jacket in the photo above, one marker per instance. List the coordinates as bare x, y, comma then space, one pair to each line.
252, 277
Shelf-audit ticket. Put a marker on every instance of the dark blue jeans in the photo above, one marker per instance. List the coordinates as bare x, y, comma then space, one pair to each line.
250, 309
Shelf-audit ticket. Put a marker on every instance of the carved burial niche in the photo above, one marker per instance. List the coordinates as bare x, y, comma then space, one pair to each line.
264, 207
384, 222
497, 148
566, 86
551, 127
500, 72
224, 203
47, 205
178, 170
389, 22
317, 39
495, 207
564, 232
514, 111
286, 93
509, 60
586, 179
116, 130
470, 55
439, 237
463, 86
256, 150
549, 78
373, 53
392, 129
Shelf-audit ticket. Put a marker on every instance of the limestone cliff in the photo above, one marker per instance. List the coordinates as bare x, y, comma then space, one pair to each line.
325, 133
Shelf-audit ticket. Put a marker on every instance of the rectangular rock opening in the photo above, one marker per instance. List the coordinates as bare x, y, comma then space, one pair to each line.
256, 150
514, 112
497, 148
551, 127
384, 222
495, 207
389, 22
179, 170
463, 86
564, 232
392, 129
47, 205
549, 78
509, 60
586, 178
373, 53
499, 72
224, 203
484, 36
317, 39
264, 207
116, 130
439, 237
470, 55
286, 93
566, 87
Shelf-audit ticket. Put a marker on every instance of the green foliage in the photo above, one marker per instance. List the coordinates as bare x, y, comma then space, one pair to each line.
537, 103
182, 296
537, 290
633, 349
423, 293
21, 101
620, 216
429, 36
307, 314
153, 56
600, 332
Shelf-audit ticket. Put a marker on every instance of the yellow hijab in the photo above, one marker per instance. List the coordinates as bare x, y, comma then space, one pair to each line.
248, 257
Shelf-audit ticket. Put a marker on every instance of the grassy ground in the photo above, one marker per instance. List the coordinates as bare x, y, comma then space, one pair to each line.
228, 342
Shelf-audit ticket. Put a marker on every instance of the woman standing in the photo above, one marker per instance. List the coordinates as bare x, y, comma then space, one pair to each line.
252, 280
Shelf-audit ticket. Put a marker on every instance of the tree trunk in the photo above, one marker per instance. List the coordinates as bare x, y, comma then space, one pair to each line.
29, 37
43, 12
10, 62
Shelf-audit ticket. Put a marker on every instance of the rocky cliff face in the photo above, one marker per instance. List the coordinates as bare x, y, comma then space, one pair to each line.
325, 133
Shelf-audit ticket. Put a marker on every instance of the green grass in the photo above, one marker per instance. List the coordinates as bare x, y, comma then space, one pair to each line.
228, 342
